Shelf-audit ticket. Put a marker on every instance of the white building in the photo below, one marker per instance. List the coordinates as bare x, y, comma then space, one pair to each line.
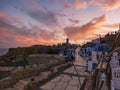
115, 56
114, 60
115, 65
93, 62
90, 65
88, 52
115, 78
94, 57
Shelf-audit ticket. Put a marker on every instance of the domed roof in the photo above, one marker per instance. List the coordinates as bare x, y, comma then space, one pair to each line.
102, 48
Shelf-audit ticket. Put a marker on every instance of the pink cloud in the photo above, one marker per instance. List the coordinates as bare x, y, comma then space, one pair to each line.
76, 5
106, 4
12, 36
80, 32
90, 30
2, 14
9, 39
73, 20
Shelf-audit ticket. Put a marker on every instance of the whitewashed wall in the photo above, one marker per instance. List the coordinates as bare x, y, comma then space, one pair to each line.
116, 77
90, 65
94, 57
114, 60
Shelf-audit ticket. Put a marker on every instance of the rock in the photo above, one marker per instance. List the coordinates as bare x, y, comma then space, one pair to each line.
28, 67
35, 66
20, 68
54, 69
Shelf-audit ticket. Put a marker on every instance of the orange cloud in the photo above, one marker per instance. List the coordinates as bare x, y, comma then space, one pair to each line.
76, 5
99, 20
27, 41
33, 40
12, 36
90, 30
106, 4
80, 32
111, 25
8, 39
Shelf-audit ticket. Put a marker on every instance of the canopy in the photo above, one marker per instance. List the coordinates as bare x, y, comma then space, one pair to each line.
102, 48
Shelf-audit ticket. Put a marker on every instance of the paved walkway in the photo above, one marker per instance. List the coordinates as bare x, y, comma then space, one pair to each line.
68, 80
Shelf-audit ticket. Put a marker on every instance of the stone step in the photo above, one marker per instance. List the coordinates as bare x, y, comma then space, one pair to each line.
20, 84
23, 82
9, 89
18, 87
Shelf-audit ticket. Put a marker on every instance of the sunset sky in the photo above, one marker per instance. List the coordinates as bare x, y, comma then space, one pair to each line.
47, 22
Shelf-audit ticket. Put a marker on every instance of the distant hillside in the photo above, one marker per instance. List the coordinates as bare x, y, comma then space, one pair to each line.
21, 53
3, 51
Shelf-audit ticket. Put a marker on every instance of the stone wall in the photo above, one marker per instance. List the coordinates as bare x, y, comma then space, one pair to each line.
17, 75
45, 76
45, 59
6, 82
29, 71
6, 68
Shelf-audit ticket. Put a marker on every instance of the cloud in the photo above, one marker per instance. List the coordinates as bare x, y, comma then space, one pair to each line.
12, 36
99, 20
47, 18
40, 13
77, 4
2, 14
80, 32
8, 40
106, 4
8, 19
14, 31
33, 32
61, 14
103, 4
73, 21
115, 25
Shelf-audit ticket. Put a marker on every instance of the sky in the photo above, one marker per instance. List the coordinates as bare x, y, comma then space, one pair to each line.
47, 22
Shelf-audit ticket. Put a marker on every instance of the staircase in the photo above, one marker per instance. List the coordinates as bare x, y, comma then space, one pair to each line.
19, 85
